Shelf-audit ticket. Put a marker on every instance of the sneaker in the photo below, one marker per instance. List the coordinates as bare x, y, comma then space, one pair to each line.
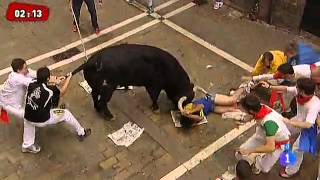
97, 31
217, 4
87, 132
232, 91
247, 86
283, 173
32, 149
150, 10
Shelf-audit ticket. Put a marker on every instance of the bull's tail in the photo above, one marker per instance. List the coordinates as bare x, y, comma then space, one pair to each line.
78, 69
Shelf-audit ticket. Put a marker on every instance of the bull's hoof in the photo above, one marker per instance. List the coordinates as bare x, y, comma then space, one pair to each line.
157, 111
97, 108
107, 116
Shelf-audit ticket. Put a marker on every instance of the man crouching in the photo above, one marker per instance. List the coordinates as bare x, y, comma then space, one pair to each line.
40, 110
271, 133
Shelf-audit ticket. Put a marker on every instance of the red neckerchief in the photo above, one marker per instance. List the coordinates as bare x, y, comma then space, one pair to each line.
263, 112
313, 66
303, 99
278, 75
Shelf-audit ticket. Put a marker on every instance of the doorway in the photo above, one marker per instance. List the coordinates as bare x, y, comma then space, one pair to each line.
311, 17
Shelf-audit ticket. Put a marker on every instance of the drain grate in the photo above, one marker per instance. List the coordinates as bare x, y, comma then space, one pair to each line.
65, 55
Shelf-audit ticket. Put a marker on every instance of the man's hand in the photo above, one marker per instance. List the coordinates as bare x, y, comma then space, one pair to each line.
264, 84
286, 120
69, 75
185, 113
60, 80
243, 151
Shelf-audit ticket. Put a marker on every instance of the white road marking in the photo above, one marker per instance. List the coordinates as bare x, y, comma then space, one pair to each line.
209, 46
91, 37
208, 151
118, 38
177, 11
103, 45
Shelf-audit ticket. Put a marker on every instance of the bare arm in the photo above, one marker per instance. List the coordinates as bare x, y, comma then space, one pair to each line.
65, 85
270, 146
277, 88
298, 123
266, 148
262, 77
195, 117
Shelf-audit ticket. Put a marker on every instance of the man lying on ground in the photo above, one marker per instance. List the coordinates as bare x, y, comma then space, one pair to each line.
198, 109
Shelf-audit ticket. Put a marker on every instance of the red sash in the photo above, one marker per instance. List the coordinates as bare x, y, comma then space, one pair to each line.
280, 143
263, 112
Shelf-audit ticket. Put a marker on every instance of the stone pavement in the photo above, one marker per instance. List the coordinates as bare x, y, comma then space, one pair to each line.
161, 148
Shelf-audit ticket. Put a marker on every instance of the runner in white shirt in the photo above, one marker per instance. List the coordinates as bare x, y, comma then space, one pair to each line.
12, 94
308, 108
292, 73
13, 91
270, 136
289, 72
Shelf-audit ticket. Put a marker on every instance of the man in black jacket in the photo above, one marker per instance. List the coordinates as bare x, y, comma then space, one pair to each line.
40, 110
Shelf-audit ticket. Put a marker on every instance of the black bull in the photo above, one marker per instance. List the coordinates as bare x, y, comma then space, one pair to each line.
136, 65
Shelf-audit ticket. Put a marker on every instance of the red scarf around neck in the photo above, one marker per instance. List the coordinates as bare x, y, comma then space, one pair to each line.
263, 112
303, 99
278, 75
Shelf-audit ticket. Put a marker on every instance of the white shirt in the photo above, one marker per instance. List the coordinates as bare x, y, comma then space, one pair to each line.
302, 71
307, 112
14, 89
282, 133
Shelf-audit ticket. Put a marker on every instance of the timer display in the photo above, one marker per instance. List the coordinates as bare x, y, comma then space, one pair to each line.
27, 12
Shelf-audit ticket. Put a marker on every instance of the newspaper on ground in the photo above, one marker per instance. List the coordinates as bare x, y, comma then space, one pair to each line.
126, 135
176, 116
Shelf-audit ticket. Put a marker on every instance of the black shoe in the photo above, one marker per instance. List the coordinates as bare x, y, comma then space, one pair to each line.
87, 133
150, 10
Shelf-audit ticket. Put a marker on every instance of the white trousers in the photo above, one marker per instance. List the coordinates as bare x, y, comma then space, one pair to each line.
14, 110
55, 117
264, 162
